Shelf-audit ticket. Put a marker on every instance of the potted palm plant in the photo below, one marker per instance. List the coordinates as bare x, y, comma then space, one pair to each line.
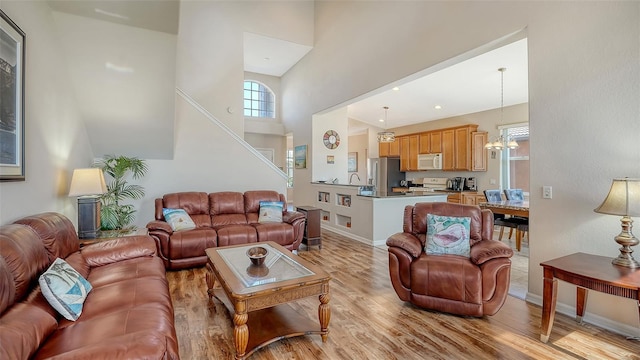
114, 215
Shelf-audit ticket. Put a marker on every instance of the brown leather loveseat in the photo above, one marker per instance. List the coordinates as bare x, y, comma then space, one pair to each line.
221, 219
473, 286
126, 315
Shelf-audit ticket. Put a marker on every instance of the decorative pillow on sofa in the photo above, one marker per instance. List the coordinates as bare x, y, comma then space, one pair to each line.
65, 289
448, 235
270, 211
178, 219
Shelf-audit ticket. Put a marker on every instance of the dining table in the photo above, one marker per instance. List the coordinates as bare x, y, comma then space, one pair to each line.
519, 208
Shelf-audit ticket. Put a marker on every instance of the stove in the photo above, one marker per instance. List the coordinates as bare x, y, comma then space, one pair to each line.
429, 185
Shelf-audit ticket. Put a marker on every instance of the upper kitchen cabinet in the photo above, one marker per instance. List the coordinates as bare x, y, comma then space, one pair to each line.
391, 149
409, 152
457, 148
430, 142
478, 152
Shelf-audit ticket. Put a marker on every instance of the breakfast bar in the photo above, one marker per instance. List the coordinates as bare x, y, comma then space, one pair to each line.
368, 216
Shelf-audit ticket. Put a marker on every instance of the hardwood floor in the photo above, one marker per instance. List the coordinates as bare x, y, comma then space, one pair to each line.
368, 321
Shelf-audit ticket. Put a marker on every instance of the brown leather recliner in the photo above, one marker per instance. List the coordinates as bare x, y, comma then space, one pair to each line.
471, 286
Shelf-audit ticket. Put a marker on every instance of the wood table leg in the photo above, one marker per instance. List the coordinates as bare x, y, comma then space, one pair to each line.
549, 297
518, 239
581, 303
240, 330
324, 313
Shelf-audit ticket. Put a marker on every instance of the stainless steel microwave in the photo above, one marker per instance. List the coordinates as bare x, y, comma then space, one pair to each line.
430, 161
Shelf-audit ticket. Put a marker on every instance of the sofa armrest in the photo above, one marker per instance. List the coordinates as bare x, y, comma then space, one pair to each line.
406, 242
118, 249
158, 225
486, 250
290, 217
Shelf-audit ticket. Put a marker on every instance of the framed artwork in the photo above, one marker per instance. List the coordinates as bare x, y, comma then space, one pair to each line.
12, 47
330, 159
300, 157
352, 162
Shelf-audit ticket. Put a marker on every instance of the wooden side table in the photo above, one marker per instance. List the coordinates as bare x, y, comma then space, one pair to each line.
312, 235
587, 272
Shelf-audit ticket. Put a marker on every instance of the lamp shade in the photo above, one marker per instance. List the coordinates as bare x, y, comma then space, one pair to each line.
87, 182
623, 198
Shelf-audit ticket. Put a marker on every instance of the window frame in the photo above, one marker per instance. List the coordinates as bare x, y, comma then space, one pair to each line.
262, 89
506, 158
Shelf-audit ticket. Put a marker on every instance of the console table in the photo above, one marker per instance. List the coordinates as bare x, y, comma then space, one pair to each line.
587, 272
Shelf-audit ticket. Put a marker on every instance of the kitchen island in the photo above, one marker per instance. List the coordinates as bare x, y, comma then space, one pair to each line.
369, 218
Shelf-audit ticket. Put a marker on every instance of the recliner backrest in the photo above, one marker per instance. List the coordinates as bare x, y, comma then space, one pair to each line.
481, 220
196, 204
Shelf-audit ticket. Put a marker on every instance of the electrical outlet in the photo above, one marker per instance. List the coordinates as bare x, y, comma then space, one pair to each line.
492, 181
546, 192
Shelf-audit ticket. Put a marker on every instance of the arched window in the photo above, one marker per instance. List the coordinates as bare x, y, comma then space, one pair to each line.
258, 100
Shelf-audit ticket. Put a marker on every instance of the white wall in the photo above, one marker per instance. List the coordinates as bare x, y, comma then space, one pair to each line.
359, 144
335, 120
584, 103
56, 139
124, 82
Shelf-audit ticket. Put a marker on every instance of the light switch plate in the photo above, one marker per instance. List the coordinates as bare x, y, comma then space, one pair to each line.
547, 192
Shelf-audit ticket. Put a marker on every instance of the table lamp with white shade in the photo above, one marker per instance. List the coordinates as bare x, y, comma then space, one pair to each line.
624, 200
87, 185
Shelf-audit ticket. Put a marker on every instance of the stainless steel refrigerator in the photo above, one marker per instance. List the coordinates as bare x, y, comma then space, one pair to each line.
385, 174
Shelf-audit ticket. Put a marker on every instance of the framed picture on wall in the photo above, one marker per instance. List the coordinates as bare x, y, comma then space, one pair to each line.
300, 157
11, 100
352, 162
330, 159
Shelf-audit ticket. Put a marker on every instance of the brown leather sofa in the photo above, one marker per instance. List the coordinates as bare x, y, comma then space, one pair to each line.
127, 315
221, 218
473, 286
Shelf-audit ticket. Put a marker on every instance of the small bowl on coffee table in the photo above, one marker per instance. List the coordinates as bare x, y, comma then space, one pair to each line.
257, 254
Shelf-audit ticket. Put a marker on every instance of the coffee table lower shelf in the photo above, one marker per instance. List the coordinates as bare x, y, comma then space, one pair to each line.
282, 322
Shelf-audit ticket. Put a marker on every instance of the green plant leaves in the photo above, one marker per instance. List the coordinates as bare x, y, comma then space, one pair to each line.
113, 214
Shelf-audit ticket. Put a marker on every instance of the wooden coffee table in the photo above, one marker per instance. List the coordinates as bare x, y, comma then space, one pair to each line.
256, 295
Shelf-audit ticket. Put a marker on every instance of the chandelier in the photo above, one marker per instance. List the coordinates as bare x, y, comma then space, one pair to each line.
501, 142
386, 136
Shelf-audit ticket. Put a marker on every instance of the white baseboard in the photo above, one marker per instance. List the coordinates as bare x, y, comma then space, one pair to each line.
623, 329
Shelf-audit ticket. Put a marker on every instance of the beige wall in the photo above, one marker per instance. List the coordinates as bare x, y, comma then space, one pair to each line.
56, 140
359, 144
584, 105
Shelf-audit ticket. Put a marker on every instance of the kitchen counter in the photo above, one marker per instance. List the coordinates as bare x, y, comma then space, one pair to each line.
382, 194
332, 184
370, 217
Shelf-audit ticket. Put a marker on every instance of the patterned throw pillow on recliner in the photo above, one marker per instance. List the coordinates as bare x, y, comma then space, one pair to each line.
178, 219
270, 211
448, 235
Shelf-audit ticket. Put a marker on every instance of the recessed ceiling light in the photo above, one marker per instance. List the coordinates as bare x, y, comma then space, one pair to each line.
437, 107
395, 88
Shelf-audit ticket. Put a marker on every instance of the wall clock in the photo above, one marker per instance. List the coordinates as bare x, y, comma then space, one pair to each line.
331, 139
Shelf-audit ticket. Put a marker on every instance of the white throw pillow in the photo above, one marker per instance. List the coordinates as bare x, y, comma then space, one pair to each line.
65, 289
270, 211
178, 219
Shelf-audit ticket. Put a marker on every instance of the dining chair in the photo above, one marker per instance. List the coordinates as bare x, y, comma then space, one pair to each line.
518, 195
500, 219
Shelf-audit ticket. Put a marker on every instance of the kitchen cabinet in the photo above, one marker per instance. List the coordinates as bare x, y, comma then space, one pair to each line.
430, 142
409, 152
391, 149
478, 152
468, 198
456, 148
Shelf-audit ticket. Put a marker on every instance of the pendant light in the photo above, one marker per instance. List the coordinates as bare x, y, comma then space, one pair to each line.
386, 136
501, 142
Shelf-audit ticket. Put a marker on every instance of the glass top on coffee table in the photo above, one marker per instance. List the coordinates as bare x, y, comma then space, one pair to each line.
276, 267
